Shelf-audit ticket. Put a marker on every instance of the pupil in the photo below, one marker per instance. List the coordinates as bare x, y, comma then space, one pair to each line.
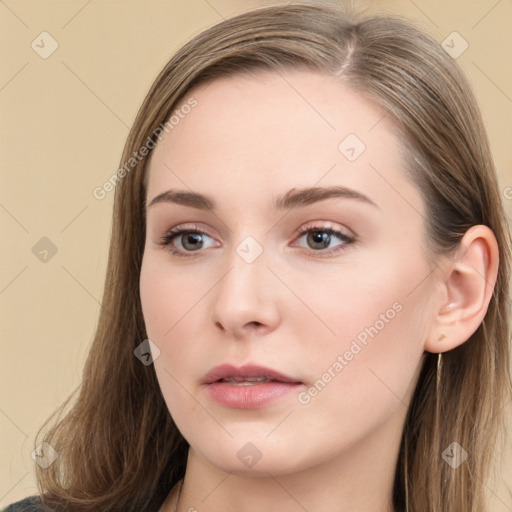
194, 238
321, 237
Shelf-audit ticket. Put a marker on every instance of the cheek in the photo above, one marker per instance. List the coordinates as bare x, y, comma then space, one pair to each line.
165, 297
168, 307
369, 364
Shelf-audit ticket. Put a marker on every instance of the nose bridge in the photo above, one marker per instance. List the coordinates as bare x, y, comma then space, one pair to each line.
244, 293
246, 263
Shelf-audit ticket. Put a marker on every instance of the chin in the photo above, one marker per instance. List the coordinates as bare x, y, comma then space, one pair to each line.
256, 456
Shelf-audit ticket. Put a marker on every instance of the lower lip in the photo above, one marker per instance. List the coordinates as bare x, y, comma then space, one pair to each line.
252, 395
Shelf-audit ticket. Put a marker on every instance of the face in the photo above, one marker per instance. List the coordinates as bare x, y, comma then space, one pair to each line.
330, 288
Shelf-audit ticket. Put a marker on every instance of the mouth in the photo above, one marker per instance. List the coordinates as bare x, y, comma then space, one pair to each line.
247, 381
249, 386
246, 375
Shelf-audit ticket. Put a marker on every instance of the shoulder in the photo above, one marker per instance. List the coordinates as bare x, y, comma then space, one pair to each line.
30, 504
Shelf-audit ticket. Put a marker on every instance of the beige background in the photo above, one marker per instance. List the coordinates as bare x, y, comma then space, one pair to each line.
64, 121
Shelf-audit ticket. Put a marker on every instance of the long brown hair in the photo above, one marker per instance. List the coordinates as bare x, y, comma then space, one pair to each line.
118, 446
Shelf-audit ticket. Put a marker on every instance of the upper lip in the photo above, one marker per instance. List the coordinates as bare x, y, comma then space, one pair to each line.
248, 370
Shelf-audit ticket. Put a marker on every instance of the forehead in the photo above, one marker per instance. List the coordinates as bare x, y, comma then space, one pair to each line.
277, 111
274, 131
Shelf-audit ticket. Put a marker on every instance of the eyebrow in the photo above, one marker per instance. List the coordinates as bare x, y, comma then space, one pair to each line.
292, 199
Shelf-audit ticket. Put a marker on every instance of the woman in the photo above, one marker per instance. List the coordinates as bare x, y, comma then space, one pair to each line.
306, 217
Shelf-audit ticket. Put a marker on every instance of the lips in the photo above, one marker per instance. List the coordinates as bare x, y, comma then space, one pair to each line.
248, 387
246, 375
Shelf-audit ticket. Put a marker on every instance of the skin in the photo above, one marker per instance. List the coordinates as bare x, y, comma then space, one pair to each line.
296, 308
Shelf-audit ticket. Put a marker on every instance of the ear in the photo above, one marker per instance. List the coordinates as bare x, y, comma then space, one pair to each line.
466, 286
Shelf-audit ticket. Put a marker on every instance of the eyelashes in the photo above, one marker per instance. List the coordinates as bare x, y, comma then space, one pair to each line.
327, 233
168, 240
321, 237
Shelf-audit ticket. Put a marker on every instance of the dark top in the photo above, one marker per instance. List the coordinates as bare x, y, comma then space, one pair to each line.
31, 504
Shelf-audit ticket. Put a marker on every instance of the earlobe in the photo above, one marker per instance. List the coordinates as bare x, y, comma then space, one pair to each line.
467, 284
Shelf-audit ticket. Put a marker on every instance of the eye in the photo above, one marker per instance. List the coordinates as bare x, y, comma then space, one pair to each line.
191, 240
320, 238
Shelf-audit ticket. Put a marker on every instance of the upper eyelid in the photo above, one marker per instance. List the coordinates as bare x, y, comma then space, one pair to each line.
319, 224
323, 225
308, 226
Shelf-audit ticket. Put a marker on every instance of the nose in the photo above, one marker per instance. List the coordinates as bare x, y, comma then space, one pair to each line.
246, 300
